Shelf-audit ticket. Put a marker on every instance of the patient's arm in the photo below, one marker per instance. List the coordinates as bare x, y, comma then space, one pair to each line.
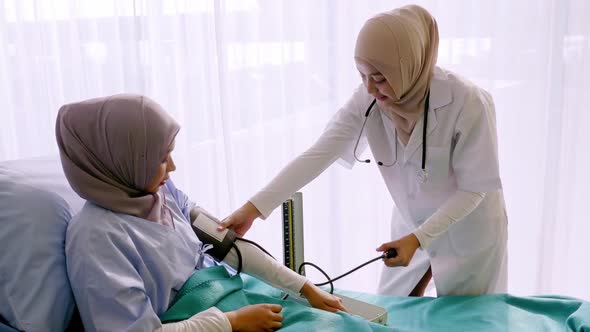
210, 320
256, 317
258, 264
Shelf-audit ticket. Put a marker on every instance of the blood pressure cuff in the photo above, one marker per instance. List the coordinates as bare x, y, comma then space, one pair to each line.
219, 248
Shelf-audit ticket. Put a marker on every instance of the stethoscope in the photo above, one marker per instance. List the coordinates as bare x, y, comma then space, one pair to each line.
422, 173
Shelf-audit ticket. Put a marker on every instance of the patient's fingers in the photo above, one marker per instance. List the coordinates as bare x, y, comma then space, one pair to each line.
277, 317
275, 307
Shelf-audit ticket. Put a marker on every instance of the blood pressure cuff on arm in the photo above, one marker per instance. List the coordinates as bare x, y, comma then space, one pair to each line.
220, 248
205, 227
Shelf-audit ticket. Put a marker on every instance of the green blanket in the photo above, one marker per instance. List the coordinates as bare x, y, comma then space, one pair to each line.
501, 312
498, 312
214, 287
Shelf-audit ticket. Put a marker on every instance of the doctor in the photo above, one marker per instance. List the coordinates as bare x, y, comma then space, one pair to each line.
433, 137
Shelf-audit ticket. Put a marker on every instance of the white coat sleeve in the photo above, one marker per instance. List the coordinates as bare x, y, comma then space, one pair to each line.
210, 320
475, 153
457, 207
258, 264
336, 142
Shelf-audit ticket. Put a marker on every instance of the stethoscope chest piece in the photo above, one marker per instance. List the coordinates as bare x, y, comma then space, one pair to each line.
422, 175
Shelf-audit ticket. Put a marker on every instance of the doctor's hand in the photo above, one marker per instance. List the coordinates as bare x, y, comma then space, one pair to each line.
406, 247
321, 299
241, 219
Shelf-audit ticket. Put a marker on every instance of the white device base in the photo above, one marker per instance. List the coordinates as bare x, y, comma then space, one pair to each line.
368, 311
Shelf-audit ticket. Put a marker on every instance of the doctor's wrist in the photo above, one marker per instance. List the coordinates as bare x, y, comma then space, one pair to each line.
423, 239
251, 210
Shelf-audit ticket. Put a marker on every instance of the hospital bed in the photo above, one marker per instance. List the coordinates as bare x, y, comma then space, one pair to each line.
36, 204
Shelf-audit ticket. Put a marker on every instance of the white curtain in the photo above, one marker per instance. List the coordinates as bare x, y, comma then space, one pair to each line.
254, 82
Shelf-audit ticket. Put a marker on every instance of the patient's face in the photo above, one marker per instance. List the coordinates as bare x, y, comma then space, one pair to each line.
166, 166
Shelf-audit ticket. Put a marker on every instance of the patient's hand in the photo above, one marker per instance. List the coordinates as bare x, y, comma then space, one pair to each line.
257, 317
321, 299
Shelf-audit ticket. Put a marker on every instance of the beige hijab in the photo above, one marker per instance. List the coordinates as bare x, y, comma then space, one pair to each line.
403, 45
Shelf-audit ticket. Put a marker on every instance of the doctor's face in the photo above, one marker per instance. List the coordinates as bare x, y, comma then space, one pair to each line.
166, 166
375, 83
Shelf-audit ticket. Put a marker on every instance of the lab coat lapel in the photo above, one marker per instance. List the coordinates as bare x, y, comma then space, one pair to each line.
440, 96
382, 141
415, 142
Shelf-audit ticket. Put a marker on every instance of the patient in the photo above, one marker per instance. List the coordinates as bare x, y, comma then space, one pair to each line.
131, 247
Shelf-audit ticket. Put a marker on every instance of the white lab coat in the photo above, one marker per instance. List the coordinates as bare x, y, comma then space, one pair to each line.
462, 154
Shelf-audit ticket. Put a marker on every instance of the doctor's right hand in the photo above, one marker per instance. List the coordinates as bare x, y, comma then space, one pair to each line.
405, 247
241, 219
256, 317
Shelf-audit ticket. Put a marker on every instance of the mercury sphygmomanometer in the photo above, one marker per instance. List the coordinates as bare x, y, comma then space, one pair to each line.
205, 227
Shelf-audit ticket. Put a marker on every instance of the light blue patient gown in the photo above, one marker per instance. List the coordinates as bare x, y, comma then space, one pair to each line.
124, 271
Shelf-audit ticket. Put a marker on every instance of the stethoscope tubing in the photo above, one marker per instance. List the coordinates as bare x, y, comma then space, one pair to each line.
422, 173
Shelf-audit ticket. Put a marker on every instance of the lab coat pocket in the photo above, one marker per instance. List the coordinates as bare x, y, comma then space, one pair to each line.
438, 169
474, 234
